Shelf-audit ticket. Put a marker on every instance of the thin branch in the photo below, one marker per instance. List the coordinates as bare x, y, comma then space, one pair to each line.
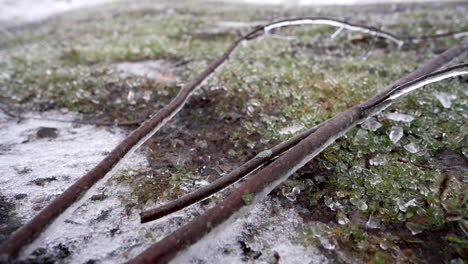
224, 181
280, 169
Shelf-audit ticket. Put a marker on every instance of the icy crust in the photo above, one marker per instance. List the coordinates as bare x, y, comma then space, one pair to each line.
43, 167
35, 170
267, 230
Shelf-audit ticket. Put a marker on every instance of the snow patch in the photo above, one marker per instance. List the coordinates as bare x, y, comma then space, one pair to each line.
16, 12
259, 230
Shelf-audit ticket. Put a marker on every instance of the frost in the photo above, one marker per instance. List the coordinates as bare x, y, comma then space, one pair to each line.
445, 99
291, 129
240, 24
395, 134
412, 148
378, 160
371, 124
395, 116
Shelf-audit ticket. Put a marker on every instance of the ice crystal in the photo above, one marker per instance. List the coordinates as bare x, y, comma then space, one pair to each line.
371, 124
395, 134
395, 116
412, 148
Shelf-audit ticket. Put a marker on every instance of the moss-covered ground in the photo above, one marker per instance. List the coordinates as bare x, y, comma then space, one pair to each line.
410, 208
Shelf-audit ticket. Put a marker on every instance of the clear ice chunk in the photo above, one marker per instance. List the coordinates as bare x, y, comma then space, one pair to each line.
371, 124
412, 148
291, 129
361, 135
378, 160
360, 204
342, 218
395, 134
445, 99
373, 223
265, 154
395, 116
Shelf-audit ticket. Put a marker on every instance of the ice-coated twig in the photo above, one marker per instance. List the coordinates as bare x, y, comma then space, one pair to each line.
272, 175
335, 23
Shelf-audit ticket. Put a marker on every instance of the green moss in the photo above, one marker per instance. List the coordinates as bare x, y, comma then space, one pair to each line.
248, 197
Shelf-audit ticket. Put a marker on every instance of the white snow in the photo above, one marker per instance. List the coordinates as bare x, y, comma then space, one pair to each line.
16, 12
261, 231
67, 157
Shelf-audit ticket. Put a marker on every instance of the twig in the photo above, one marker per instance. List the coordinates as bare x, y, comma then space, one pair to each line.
224, 181
266, 179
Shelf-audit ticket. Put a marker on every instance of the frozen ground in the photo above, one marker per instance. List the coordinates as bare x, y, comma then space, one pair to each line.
41, 158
